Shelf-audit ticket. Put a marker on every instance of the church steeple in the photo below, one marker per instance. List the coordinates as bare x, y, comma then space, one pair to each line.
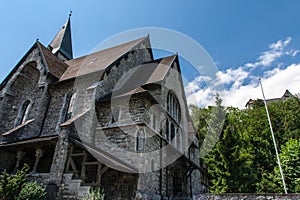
61, 45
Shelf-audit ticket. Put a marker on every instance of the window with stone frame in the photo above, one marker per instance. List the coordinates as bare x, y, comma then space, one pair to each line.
153, 120
23, 112
171, 133
71, 105
115, 114
168, 138
173, 106
140, 141
172, 124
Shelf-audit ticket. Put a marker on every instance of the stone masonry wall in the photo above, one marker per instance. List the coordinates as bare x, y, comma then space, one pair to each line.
84, 88
236, 196
25, 87
29, 83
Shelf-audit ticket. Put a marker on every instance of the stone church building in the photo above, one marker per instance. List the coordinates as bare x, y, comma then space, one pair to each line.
115, 119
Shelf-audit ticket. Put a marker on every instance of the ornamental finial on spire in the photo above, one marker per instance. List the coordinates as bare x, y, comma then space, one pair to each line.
70, 13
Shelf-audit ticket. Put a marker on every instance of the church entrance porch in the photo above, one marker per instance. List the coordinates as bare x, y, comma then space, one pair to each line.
94, 174
37, 153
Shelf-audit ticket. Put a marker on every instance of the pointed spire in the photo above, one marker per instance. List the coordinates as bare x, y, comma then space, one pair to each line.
61, 45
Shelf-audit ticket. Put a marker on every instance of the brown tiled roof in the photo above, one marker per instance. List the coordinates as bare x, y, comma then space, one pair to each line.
98, 61
148, 73
106, 157
161, 69
55, 65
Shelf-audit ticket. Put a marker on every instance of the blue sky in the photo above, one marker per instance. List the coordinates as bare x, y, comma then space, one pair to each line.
246, 39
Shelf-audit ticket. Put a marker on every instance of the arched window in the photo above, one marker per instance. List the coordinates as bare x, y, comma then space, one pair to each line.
23, 112
71, 105
173, 107
172, 124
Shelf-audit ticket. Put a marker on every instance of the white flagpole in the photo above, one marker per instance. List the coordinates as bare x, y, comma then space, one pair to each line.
275, 146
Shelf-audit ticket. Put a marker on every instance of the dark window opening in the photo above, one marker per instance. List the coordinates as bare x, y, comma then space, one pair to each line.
23, 113
140, 141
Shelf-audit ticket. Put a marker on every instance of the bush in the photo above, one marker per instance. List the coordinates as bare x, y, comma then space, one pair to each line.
16, 187
32, 191
97, 194
11, 185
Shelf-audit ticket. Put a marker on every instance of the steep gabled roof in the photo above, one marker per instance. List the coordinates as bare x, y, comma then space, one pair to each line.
98, 61
287, 94
161, 69
148, 73
63, 41
55, 65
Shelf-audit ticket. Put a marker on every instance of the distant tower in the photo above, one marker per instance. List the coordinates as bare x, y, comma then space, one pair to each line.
61, 45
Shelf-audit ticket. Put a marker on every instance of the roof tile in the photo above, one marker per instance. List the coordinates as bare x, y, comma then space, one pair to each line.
98, 61
56, 66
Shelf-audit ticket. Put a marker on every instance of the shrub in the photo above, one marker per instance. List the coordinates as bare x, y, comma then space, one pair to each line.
97, 194
16, 187
32, 191
11, 185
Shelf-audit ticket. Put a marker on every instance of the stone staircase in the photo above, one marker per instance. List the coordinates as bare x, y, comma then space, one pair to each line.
72, 189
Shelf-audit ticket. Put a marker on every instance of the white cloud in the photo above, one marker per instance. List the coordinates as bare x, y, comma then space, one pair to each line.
276, 50
236, 93
193, 86
235, 76
202, 97
274, 81
279, 45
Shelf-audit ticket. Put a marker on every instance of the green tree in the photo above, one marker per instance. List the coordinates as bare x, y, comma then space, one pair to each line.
213, 148
32, 191
244, 159
16, 187
11, 186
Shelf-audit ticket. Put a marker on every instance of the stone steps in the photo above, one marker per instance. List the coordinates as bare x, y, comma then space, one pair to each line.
72, 188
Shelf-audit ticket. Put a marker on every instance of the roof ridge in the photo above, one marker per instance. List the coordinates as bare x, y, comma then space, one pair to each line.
55, 65
109, 48
99, 60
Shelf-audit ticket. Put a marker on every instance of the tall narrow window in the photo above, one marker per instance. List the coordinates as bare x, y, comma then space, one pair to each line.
173, 133
173, 107
71, 105
167, 130
114, 115
153, 121
140, 140
23, 113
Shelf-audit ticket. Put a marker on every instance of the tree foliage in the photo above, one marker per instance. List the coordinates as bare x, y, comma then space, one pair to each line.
244, 159
16, 187
32, 191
